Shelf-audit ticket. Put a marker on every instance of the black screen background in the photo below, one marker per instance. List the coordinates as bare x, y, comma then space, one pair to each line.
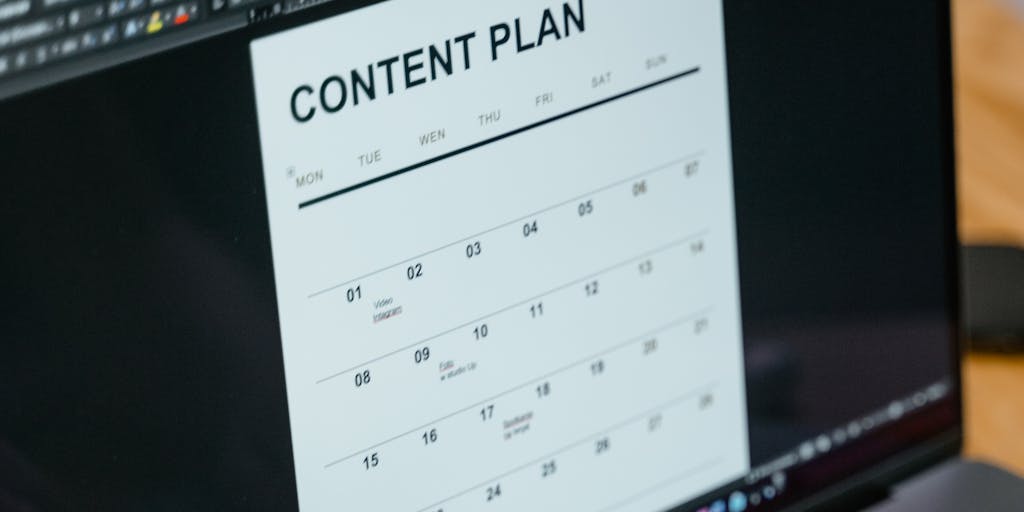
140, 360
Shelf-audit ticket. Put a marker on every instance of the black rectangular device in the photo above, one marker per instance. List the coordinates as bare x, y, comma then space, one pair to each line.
454, 255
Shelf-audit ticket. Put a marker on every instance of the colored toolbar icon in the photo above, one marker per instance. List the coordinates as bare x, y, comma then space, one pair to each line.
737, 502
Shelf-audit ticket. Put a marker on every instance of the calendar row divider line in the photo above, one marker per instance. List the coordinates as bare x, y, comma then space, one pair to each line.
641, 337
689, 395
574, 282
406, 261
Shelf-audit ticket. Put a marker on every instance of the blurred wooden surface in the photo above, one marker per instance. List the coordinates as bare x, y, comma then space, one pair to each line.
988, 48
989, 80
994, 409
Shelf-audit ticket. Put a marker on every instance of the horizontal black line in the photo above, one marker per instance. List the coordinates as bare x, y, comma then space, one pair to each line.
506, 224
496, 138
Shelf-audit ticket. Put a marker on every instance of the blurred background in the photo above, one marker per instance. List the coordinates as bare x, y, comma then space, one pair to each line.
989, 84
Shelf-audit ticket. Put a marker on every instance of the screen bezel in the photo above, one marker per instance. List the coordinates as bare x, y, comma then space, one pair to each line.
875, 461
902, 448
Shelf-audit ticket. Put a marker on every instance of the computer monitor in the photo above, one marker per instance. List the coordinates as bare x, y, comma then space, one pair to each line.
456, 255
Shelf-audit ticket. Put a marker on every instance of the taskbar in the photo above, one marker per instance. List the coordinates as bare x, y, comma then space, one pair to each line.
768, 486
50, 41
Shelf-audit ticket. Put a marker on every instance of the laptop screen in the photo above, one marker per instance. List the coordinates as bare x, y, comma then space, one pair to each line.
453, 255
